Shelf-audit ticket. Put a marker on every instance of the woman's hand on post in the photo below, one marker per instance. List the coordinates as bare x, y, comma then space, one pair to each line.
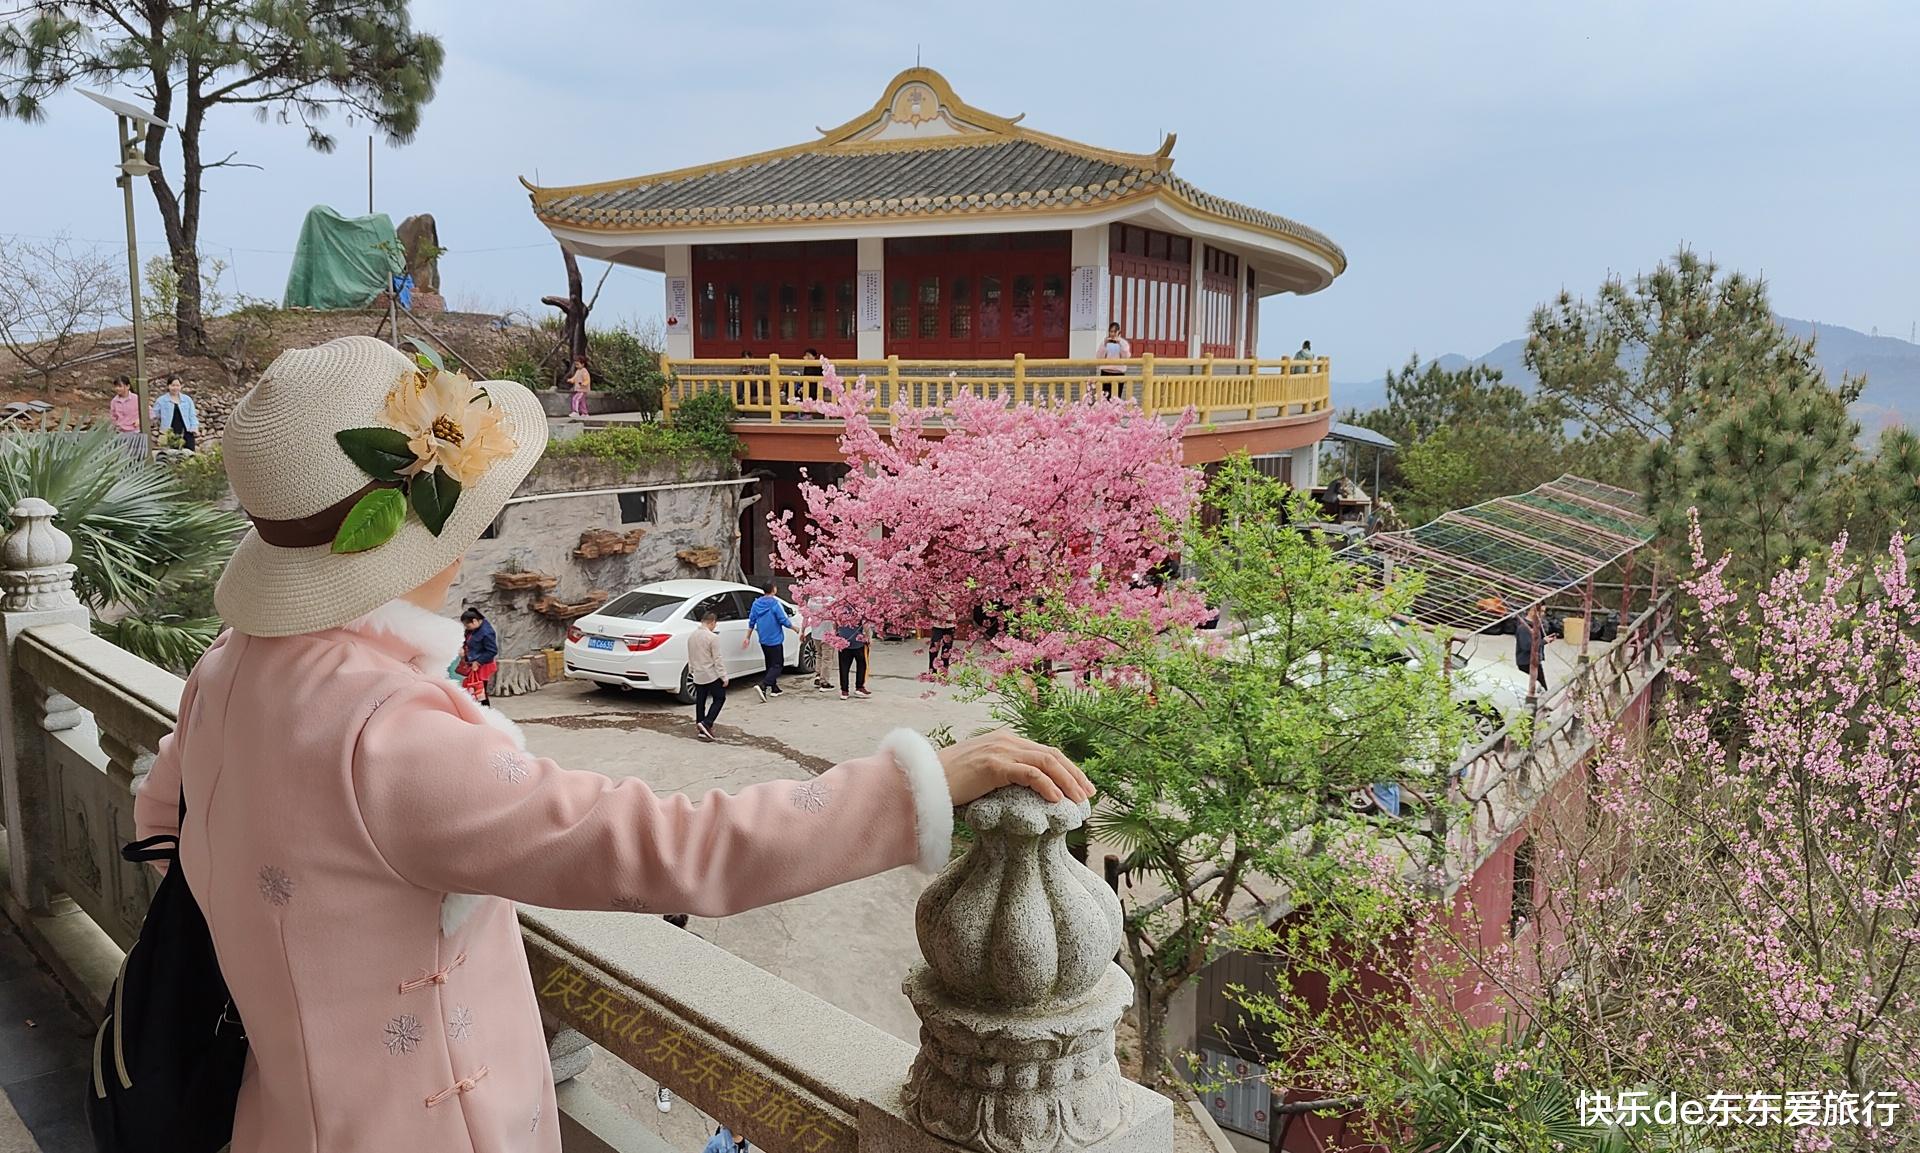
979, 765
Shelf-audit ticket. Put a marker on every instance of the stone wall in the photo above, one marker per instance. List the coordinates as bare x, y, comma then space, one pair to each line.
554, 560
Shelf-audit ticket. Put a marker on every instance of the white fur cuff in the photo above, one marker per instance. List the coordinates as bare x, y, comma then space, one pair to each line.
932, 802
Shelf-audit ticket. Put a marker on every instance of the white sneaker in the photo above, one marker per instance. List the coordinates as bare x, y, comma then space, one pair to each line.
762, 690
664, 1099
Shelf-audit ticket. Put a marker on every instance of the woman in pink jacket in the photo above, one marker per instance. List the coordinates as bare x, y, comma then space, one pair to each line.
357, 827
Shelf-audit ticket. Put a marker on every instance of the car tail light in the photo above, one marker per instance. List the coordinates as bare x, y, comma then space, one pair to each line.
646, 644
574, 634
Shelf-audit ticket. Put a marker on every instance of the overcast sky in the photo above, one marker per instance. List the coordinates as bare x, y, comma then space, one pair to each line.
1471, 157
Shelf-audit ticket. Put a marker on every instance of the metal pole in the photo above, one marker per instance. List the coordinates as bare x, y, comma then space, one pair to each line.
123, 145
393, 294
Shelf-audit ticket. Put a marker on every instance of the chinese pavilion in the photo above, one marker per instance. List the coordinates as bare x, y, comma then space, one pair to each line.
934, 246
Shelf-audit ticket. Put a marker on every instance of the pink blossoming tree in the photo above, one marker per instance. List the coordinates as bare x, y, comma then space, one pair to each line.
1733, 909
982, 504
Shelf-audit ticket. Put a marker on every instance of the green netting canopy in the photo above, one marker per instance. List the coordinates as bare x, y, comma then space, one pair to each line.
342, 261
1488, 562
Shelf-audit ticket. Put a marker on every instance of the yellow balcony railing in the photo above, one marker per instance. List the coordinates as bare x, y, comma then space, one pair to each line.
1217, 390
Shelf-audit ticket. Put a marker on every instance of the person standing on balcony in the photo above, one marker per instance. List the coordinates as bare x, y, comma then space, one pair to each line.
357, 828
809, 386
1113, 377
173, 411
1530, 649
582, 383
708, 671
1303, 360
768, 622
479, 654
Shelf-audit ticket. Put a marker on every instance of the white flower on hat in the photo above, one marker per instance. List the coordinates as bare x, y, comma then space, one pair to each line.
450, 425
443, 431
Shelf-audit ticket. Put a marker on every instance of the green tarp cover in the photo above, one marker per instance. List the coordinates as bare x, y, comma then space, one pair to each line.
342, 261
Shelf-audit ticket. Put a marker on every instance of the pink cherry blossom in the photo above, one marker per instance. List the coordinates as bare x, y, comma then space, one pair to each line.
985, 504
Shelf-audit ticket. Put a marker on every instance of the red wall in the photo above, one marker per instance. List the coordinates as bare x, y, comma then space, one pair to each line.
1480, 915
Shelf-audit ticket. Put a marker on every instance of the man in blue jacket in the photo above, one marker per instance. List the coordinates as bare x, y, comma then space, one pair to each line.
768, 622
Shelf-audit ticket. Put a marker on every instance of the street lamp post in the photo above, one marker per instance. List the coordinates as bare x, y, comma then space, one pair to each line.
130, 123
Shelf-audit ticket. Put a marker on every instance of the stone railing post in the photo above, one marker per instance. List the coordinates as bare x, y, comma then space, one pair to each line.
36, 588
1019, 995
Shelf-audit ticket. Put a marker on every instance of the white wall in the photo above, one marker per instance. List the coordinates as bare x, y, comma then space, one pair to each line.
870, 260
679, 264
1090, 251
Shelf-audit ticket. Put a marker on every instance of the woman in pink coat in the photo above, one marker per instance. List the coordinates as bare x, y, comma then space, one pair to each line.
357, 827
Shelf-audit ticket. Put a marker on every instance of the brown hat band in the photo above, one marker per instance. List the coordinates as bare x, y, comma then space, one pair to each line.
318, 529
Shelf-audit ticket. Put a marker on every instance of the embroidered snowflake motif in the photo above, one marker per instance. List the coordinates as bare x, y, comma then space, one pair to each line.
403, 1034
812, 797
510, 767
460, 1024
275, 885
630, 905
535, 1127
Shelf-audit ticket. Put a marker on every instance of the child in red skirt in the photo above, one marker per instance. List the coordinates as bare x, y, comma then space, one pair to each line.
479, 655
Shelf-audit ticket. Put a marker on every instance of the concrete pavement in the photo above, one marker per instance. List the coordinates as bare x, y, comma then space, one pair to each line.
851, 945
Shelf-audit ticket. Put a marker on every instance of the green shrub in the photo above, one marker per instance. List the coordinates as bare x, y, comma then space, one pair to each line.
203, 476
522, 363
707, 419
625, 363
638, 446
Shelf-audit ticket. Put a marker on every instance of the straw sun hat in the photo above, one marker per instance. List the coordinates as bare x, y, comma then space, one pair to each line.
326, 448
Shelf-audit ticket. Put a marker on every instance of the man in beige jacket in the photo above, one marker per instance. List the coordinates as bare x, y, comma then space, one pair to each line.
709, 674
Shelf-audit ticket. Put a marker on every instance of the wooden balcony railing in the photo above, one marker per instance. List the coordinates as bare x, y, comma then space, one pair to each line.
1216, 390
1002, 1071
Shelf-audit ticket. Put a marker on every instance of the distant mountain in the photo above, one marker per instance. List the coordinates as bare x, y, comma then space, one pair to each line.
1891, 366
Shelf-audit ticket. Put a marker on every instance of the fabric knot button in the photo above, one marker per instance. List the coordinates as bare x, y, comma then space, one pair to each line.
463, 1085
434, 977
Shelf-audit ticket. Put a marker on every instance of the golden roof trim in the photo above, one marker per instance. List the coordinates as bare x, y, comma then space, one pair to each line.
841, 141
1053, 202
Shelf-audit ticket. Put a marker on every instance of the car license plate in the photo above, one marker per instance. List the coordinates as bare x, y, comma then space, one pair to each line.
603, 643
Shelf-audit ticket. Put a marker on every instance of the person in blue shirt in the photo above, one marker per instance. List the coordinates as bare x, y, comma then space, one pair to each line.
173, 410
723, 1141
768, 622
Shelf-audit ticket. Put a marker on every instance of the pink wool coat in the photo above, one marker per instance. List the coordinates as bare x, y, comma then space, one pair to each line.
344, 799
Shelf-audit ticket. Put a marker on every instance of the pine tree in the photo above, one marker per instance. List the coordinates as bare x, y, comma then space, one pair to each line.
299, 59
1736, 417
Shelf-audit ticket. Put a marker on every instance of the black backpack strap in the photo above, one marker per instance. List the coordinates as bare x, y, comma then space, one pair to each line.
160, 846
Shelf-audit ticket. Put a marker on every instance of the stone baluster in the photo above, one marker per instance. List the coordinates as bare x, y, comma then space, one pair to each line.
36, 588
1019, 994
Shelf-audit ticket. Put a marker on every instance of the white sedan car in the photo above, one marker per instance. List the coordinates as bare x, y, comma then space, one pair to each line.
638, 640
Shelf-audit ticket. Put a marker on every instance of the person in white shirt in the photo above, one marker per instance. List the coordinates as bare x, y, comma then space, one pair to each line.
1113, 377
709, 672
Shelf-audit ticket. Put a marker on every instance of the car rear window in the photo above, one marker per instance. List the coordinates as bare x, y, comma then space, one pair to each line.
640, 605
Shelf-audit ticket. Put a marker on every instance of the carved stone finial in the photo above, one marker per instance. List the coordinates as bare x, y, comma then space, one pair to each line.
1019, 993
37, 575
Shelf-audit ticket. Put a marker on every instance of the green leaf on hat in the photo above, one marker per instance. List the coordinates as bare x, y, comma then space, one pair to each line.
425, 355
434, 493
381, 452
372, 521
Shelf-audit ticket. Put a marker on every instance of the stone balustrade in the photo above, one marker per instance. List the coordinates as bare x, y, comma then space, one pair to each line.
1018, 997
